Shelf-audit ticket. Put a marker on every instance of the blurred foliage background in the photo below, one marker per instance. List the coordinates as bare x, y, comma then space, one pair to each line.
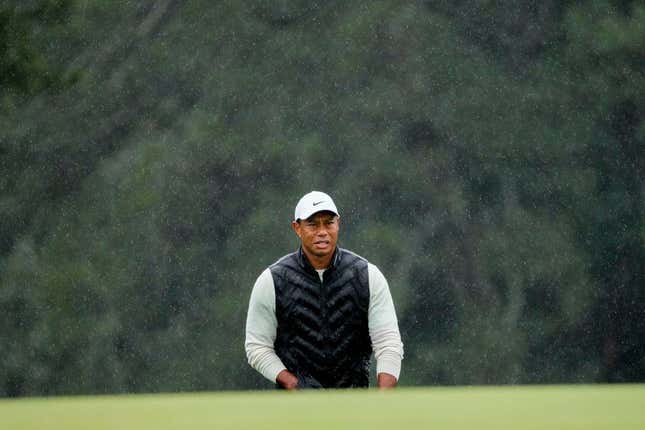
489, 157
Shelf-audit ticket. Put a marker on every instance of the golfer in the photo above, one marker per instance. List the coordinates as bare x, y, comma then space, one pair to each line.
315, 316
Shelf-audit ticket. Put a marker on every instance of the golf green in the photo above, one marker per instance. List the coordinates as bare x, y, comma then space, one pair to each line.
585, 407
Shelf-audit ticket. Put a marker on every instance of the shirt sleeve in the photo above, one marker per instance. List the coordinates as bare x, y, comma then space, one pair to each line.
383, 325
261, 326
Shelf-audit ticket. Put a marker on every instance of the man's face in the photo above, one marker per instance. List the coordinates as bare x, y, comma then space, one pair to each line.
318, 233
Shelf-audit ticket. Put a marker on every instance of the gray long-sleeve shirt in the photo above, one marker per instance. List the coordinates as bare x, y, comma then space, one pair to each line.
261, 326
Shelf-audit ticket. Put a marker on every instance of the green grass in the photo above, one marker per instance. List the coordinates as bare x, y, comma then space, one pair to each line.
585, 407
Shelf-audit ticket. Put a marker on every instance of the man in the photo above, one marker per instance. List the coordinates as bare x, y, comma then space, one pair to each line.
316, 315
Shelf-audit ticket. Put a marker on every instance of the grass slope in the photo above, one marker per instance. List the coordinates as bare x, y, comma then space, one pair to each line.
540, 407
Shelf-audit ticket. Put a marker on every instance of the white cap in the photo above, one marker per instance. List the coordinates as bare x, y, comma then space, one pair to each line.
313, 202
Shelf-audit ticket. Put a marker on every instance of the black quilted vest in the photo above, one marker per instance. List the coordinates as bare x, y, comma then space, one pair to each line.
322, 335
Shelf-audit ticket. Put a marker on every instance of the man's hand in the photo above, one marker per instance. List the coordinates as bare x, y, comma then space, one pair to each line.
287, 380
385, 380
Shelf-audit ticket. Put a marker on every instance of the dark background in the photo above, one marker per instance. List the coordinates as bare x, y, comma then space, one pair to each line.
489, 157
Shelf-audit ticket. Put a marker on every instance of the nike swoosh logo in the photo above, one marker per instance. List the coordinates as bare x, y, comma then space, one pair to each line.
317, 203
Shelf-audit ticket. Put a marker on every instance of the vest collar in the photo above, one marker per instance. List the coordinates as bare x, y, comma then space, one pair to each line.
306, 264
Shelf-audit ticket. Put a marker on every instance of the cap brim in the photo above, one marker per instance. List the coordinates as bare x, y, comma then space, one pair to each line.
307, 213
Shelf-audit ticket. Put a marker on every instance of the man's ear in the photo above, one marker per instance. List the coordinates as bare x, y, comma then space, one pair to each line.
295, 225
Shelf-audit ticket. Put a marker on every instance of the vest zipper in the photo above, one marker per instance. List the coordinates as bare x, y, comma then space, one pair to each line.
325, 323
